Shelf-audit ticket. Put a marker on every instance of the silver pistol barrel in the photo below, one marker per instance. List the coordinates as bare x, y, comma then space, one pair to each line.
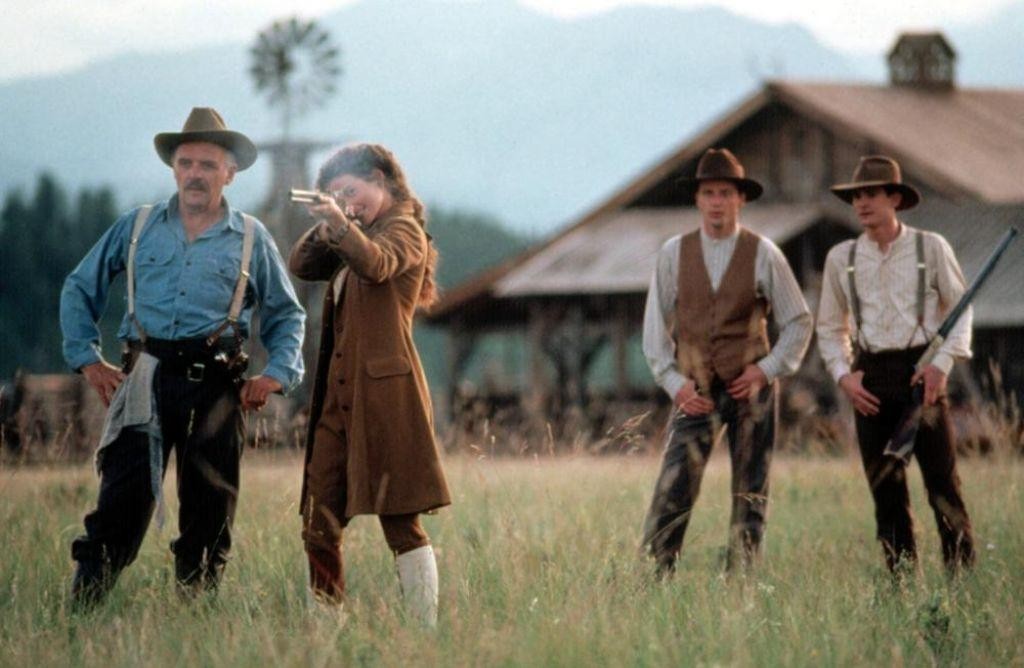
305, 196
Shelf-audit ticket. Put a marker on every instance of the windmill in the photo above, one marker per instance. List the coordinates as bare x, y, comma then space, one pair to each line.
296, 66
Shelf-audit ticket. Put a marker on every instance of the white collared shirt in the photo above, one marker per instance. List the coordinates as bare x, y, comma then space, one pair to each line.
773, 280
887, 289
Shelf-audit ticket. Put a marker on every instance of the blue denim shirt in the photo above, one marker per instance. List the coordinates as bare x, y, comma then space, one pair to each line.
183, 290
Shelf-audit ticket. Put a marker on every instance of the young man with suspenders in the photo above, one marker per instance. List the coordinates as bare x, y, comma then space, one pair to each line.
896, 283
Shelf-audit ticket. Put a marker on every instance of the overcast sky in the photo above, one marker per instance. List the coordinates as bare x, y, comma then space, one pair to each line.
45, 36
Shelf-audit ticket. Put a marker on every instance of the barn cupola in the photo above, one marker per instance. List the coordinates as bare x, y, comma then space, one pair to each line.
922, 60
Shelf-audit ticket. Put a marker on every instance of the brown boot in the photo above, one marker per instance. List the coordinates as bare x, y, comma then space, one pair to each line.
326, 574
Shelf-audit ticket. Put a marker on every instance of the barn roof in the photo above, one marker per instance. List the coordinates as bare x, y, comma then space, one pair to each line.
965, 143
616, 253
968, 141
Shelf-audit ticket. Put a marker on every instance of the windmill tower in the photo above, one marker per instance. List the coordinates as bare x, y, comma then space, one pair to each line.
295, 66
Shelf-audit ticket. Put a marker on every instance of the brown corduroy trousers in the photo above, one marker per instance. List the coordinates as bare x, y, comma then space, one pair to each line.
887, 375
324, 517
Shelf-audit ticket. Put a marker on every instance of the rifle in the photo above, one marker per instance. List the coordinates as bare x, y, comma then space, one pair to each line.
901, 444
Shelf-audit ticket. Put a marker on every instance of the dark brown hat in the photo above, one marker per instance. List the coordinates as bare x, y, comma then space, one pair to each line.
719, 164
205, 124
878, 171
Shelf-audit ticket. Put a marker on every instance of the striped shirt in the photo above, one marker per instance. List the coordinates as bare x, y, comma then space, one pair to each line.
887, 288
774, 282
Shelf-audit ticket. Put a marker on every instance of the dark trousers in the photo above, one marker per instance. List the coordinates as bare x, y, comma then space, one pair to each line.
750, 427
324, 518
887, 375
202, 423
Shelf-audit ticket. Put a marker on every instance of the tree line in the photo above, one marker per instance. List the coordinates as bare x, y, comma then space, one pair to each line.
44, 234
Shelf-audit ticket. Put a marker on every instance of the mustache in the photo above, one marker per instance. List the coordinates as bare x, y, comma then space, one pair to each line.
196, 184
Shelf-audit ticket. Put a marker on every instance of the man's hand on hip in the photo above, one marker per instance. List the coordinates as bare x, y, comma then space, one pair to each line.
748, 384
256, 390
863, 401
689, 401
104, 378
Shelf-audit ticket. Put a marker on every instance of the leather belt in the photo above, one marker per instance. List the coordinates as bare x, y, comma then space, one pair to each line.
191, 358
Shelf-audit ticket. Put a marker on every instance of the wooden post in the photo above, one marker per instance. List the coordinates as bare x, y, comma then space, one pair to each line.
575, 352
620, 340
535, 393
461, 342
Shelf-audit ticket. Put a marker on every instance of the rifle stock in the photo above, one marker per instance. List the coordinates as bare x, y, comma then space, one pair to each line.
901, 444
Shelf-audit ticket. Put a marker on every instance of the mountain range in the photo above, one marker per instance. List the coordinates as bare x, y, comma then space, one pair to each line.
490, 106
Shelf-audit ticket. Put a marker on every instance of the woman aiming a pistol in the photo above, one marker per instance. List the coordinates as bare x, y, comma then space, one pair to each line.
370, 447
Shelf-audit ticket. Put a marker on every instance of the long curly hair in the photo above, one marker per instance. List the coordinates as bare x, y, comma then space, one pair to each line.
361, 160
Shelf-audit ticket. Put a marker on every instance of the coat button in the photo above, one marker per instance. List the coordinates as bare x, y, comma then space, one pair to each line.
341, 381
344, 408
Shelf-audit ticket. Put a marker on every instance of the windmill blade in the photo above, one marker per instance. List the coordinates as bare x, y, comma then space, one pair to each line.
294, 65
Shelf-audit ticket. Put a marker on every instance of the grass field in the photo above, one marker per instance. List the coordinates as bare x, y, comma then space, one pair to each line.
539, 566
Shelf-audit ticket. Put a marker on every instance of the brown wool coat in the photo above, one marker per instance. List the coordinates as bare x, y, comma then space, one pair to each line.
393, 462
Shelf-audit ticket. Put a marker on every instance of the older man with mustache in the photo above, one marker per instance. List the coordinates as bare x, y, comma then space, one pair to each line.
197, 269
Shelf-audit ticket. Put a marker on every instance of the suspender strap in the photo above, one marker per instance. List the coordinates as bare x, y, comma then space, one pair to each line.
243, 274
921, 278
236, 300
852, 280
243, 281
921, 283
140, 221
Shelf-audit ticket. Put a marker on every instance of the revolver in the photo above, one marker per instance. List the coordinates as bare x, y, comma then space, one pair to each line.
306, 196
235, 363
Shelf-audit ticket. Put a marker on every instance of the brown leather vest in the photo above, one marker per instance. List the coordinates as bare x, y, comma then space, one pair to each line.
719, 333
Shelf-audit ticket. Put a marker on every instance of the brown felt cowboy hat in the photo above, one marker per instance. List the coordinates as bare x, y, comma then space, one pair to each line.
719, 164
878, 171
205, 124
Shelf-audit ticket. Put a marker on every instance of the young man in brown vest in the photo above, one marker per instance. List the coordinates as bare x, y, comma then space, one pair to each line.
706, 343
896, 282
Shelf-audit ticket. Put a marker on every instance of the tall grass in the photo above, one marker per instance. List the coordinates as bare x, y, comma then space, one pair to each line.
539, 566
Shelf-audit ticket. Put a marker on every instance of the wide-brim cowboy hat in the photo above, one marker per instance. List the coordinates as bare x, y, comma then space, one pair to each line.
719, 164
206, 125
878, 171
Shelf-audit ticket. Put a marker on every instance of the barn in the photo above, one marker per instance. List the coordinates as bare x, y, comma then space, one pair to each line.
568, 310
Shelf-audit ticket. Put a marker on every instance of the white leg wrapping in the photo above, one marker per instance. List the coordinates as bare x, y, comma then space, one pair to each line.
417, 573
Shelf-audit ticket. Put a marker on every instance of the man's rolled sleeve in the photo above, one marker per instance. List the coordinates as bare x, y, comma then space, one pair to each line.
769, 367
943, 362
789, 311
951, 285
834, 331
282, 318
83, 297
658, 346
